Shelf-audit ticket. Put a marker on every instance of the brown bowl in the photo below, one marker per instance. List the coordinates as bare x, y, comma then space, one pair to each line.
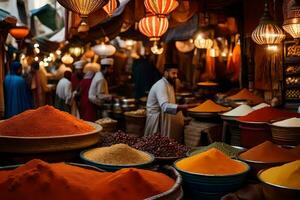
256, 166
285, 135
278, 192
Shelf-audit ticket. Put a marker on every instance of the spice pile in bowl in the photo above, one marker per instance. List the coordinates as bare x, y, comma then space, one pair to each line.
209, 107
43, 122
40, 180
118, 154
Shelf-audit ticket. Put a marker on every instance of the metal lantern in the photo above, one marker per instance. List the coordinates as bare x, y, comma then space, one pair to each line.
76, 50
267, 32
67, 59
292, 23
202, 43
104, 49
110, 7
83, 8
19, 32
153, 26
161, 7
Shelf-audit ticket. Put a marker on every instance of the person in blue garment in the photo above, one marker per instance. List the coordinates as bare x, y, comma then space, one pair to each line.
17, 93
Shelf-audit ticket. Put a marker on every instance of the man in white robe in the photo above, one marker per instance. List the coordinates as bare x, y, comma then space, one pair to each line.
164, 116
64, 93
98, 92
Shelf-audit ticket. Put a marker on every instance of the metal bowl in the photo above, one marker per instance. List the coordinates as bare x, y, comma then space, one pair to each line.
15, 144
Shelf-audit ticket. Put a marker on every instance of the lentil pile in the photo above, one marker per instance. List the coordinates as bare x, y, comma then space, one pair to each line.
40, 180
161, 146
42, 122
212, 162
118, 154
287, 175
225, 148
157, 145
269, 152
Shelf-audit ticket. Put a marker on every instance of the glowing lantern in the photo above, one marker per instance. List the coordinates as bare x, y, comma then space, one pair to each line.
76, 51
104, 49
83, 8
19, 32
110, 7
89, 54
67, 59
153, 27
202, 43
267, 32
161, 7
292, 23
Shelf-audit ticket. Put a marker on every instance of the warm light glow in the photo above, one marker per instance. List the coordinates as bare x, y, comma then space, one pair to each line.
36, 45
22, 57
37, 50
202, 43
51, 55
104, 49
156, 50
19, 32
273, 48
45, 60
58, 52
36, 58
153, 26
161, 7
292, 29
76, 51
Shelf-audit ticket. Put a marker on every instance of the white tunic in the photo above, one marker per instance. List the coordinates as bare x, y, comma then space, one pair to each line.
162, 115
64, 90
99, 89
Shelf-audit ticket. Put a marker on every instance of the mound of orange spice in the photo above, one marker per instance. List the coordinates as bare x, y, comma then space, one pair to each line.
245, 94
211, 162
270, 152
209, 106
44, 121
40, 180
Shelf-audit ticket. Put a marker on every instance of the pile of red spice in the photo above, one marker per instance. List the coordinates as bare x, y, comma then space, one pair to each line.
42, 122
267, 114
269, 152
40, 180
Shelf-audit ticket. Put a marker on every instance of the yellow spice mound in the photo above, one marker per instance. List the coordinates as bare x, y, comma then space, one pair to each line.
287, 175
209, 106
212, 162
118, 154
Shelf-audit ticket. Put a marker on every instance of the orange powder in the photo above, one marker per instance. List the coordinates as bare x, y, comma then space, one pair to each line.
209, 106
40, 180
44, 121
212, 162
269, 152
245, 94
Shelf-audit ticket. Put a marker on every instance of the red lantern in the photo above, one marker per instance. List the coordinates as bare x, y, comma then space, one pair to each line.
110, 7
161, 7
153, 27
19, 32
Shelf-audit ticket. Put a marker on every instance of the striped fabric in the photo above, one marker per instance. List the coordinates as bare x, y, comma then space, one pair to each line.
267, 34
153, 26
83, 7
161, 7
110, 7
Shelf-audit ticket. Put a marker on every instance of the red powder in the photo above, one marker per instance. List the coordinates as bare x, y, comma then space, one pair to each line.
267, 114
44, 121
40, 180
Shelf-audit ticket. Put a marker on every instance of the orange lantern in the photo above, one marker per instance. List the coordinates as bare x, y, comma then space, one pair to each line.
153, 27
83, 8
19, 32
161, 7
110, 7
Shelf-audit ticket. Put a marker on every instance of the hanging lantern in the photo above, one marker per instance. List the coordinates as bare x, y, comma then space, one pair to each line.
83, 8
153, 27
89, 54
19, 32
161, 7
76, 51
104, 49
67, 59
110, 7
202, 43
156, 50
267, 32
292, 23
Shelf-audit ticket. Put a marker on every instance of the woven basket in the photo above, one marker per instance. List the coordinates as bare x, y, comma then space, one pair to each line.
135, 124
286, 135
174, 193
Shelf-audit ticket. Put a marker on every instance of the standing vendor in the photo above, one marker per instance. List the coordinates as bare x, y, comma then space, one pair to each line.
98, 92
163, 114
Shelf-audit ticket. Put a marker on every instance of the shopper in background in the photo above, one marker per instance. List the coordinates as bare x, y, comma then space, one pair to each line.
64, 93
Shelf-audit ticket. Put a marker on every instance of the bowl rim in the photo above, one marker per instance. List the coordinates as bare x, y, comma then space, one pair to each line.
214, 175
283, 127
97, 127
152, 158
272, 184
248, 122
